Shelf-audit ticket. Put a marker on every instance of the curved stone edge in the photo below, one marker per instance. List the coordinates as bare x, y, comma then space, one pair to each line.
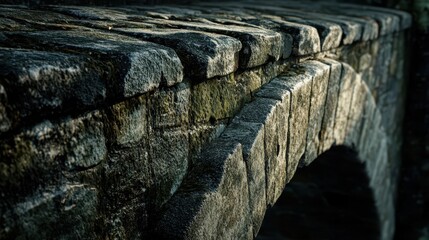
270, 136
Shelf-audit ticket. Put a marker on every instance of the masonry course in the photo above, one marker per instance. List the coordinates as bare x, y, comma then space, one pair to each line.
187, 122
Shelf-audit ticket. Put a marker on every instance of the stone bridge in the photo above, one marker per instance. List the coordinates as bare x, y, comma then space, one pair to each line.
188, 121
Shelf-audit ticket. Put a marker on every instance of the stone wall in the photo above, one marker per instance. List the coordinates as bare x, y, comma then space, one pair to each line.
188, 121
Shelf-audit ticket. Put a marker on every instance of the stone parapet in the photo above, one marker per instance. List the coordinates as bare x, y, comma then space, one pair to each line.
188, 121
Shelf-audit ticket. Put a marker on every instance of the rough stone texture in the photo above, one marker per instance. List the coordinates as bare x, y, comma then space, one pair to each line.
329, 116
270, 113
320, 74
251, 136
213, 200
299, 84
188, 121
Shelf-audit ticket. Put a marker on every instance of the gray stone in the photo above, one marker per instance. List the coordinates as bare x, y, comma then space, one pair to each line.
169, 153
259, 45
69, 209
327, 139
213, 200
136, 66
271, 113
251, 137
37, 83
299, 85
205, 55
5, 122
320, 75
40, 155
170, 106
357, 113
127, 122
347, 83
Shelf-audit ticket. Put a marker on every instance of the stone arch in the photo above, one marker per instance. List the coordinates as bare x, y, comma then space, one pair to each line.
329, 199
293, 119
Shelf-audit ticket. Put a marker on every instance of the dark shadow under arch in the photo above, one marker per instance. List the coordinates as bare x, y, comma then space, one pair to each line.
329, 199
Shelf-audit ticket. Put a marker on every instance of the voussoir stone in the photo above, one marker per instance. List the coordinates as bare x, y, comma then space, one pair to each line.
299, 84
271, 113
251, 136
213, 200
320, 73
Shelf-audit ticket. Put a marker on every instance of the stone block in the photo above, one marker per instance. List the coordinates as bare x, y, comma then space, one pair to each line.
327, 139
37, 83
320, 74
251, 137
213, 199
347, 84
127, 122
169, 107
169, 154
258, 45
70, 210
39, 155
204, 55
131, 67
271, 114
357, 113
299, 84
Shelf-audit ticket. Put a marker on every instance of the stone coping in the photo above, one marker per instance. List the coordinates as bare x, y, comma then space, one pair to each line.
59, 60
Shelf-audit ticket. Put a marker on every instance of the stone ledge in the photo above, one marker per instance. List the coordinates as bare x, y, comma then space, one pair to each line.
208, 39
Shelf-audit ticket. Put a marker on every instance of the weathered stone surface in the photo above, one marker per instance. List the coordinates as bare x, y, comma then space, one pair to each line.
251, 136
259, 45
136, 66
69, 210
299, 85
320, 75
205, 55
37, 84
356, 114
170, 107
127, 122
327, 128
169, 162
213, 200
38, 155
347, 81
217, 98
270, 113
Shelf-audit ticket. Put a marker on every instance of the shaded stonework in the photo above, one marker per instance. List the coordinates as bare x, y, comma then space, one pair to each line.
189, 121
329, 199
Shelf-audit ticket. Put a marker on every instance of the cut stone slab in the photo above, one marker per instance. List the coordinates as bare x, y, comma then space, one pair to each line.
36, 84
299, 84
259, 45
320, 73
347, 84
271, 113
213, 200
357, 113
135, 67
251, 137
327, 129
204, 55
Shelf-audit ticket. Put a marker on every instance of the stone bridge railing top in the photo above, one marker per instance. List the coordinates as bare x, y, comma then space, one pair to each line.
69, 59
111, 117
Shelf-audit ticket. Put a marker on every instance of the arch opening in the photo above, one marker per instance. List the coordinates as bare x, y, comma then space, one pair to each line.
329, 199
